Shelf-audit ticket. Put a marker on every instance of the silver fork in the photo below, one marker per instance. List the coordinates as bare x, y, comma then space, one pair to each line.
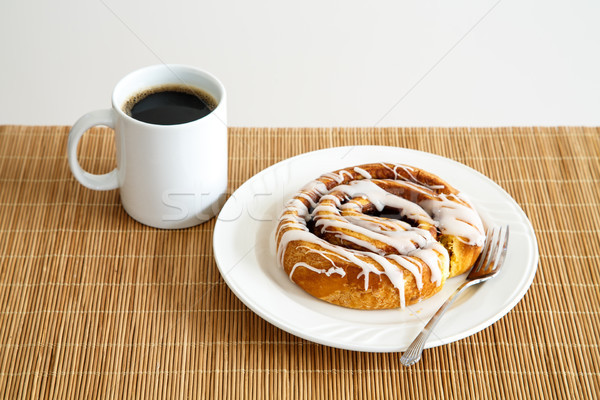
487, 266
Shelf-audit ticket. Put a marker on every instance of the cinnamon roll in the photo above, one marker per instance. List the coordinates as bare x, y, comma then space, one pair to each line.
377, 236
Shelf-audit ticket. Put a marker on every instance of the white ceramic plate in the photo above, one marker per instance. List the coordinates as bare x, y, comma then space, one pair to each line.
244, 250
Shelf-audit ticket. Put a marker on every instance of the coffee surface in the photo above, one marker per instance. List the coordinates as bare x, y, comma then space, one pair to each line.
170, 104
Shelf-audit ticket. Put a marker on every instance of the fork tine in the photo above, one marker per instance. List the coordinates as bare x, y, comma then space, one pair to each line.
499, 250
503, 245
484, 253
487, 251
493, 251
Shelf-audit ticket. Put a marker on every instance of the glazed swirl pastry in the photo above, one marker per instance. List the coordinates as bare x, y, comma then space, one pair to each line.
377, 236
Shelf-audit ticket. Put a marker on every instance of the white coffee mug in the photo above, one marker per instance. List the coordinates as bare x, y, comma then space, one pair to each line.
169, 176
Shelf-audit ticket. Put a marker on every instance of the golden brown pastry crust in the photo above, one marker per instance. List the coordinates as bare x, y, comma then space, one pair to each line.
349, 266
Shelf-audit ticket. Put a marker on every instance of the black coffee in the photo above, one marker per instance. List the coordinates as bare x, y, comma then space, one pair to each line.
170, 104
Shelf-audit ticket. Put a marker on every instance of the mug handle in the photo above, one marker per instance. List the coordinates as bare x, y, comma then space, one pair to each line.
92, 181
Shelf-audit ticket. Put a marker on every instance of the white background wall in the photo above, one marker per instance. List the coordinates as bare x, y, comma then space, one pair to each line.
314, 63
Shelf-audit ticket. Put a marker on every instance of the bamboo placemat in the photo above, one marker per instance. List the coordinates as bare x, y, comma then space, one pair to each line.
93, 304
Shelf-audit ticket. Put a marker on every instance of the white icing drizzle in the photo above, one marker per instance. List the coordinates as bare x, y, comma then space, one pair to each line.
381, 199
321, 253
393, 273
295, 204
316, 187
333, 270
377, 224
456, 219
412, 178
347, 255
391, 169
430, 258
335, 213
362, 172
411, 266
402, 241
307, 197
362, 243
339, 178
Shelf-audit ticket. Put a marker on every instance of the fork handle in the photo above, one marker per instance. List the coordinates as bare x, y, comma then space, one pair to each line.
415, 350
